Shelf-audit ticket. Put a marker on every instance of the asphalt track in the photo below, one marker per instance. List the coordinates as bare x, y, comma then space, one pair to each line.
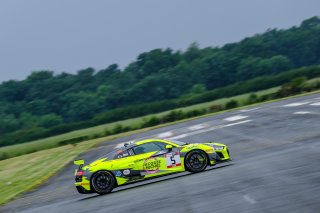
275, 168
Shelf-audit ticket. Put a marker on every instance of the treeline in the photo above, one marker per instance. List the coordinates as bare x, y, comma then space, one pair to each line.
46, 104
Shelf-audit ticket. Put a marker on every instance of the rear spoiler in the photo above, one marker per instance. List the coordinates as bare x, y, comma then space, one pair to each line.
79, 162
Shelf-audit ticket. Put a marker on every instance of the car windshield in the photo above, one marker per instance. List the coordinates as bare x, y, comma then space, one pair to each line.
180, 143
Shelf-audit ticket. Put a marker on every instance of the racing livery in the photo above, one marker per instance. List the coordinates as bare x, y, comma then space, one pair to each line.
146, 159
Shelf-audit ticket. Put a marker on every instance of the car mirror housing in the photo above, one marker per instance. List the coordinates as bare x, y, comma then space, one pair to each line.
169, 147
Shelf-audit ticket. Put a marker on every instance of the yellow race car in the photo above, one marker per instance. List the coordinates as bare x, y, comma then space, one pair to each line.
146, 159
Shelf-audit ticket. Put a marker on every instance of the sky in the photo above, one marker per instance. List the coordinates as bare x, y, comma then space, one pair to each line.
70, 35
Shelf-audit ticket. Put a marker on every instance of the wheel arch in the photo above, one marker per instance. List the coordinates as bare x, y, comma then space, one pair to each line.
208, 162
116, 182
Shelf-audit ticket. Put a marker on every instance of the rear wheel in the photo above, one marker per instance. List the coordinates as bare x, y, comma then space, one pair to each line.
196, 161
102, 182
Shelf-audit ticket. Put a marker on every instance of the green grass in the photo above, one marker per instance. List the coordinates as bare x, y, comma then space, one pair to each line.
313, 80
25, 172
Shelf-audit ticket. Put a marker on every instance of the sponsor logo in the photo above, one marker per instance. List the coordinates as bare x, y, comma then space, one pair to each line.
126, 172
118, 173
151, 165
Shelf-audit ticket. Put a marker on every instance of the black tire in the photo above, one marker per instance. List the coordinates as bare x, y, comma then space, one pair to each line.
102, 182
196, 161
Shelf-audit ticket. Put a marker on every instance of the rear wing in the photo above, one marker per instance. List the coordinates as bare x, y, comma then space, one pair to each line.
79, 162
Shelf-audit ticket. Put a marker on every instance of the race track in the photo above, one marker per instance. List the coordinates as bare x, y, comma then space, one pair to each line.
275, 168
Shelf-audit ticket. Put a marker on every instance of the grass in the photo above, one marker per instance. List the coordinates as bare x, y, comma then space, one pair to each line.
51, 142
25, 172
313, 80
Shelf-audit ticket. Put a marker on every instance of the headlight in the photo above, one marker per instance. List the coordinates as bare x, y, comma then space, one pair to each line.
218, 147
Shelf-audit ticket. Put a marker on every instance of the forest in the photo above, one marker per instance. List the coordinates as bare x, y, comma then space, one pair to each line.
47, 103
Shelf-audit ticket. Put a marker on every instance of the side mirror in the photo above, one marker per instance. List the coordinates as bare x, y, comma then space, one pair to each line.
169, 147
78, 162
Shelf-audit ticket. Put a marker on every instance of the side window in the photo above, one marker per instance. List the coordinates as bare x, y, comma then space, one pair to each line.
145, 148
130, 151
161, 145
112, 155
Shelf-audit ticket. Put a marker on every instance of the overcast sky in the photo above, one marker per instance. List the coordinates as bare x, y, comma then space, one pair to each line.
69, 35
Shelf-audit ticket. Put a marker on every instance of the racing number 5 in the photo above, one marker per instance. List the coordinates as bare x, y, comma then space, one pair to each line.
173, 161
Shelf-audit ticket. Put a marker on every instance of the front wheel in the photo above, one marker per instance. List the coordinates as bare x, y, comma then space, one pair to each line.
196, 161
102, 182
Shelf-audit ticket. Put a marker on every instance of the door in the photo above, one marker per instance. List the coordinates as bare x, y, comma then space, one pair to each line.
155, 159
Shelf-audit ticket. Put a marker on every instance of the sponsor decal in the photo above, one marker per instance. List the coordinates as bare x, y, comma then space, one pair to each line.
126, 172
151, 165
118, 173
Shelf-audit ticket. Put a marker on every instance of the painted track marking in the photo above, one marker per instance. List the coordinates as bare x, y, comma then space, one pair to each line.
209, 129
180, 136
301, 113
248, 110
295, 104
249, 199
196, 127
165, 134
315, 104
235, 118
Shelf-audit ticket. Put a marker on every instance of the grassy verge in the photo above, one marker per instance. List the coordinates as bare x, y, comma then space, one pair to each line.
23, 173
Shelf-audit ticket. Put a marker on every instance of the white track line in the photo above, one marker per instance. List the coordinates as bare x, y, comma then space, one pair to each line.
248, 110
235, 118
315, 104
237, 123
301, 113
295, 104
209, 129
180, 136
249, 199
164, 134
196, 127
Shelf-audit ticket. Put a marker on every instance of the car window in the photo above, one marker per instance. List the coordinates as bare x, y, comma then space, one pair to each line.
112, 155
147, 147
161, 145
130, 151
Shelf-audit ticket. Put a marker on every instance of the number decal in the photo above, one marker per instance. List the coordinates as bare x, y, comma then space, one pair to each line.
172, 159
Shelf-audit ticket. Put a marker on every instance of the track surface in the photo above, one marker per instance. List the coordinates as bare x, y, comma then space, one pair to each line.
276, 152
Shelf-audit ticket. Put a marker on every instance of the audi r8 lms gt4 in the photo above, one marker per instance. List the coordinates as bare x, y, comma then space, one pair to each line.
146, 159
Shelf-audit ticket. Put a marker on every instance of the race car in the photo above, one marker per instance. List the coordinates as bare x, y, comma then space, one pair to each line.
146, 159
